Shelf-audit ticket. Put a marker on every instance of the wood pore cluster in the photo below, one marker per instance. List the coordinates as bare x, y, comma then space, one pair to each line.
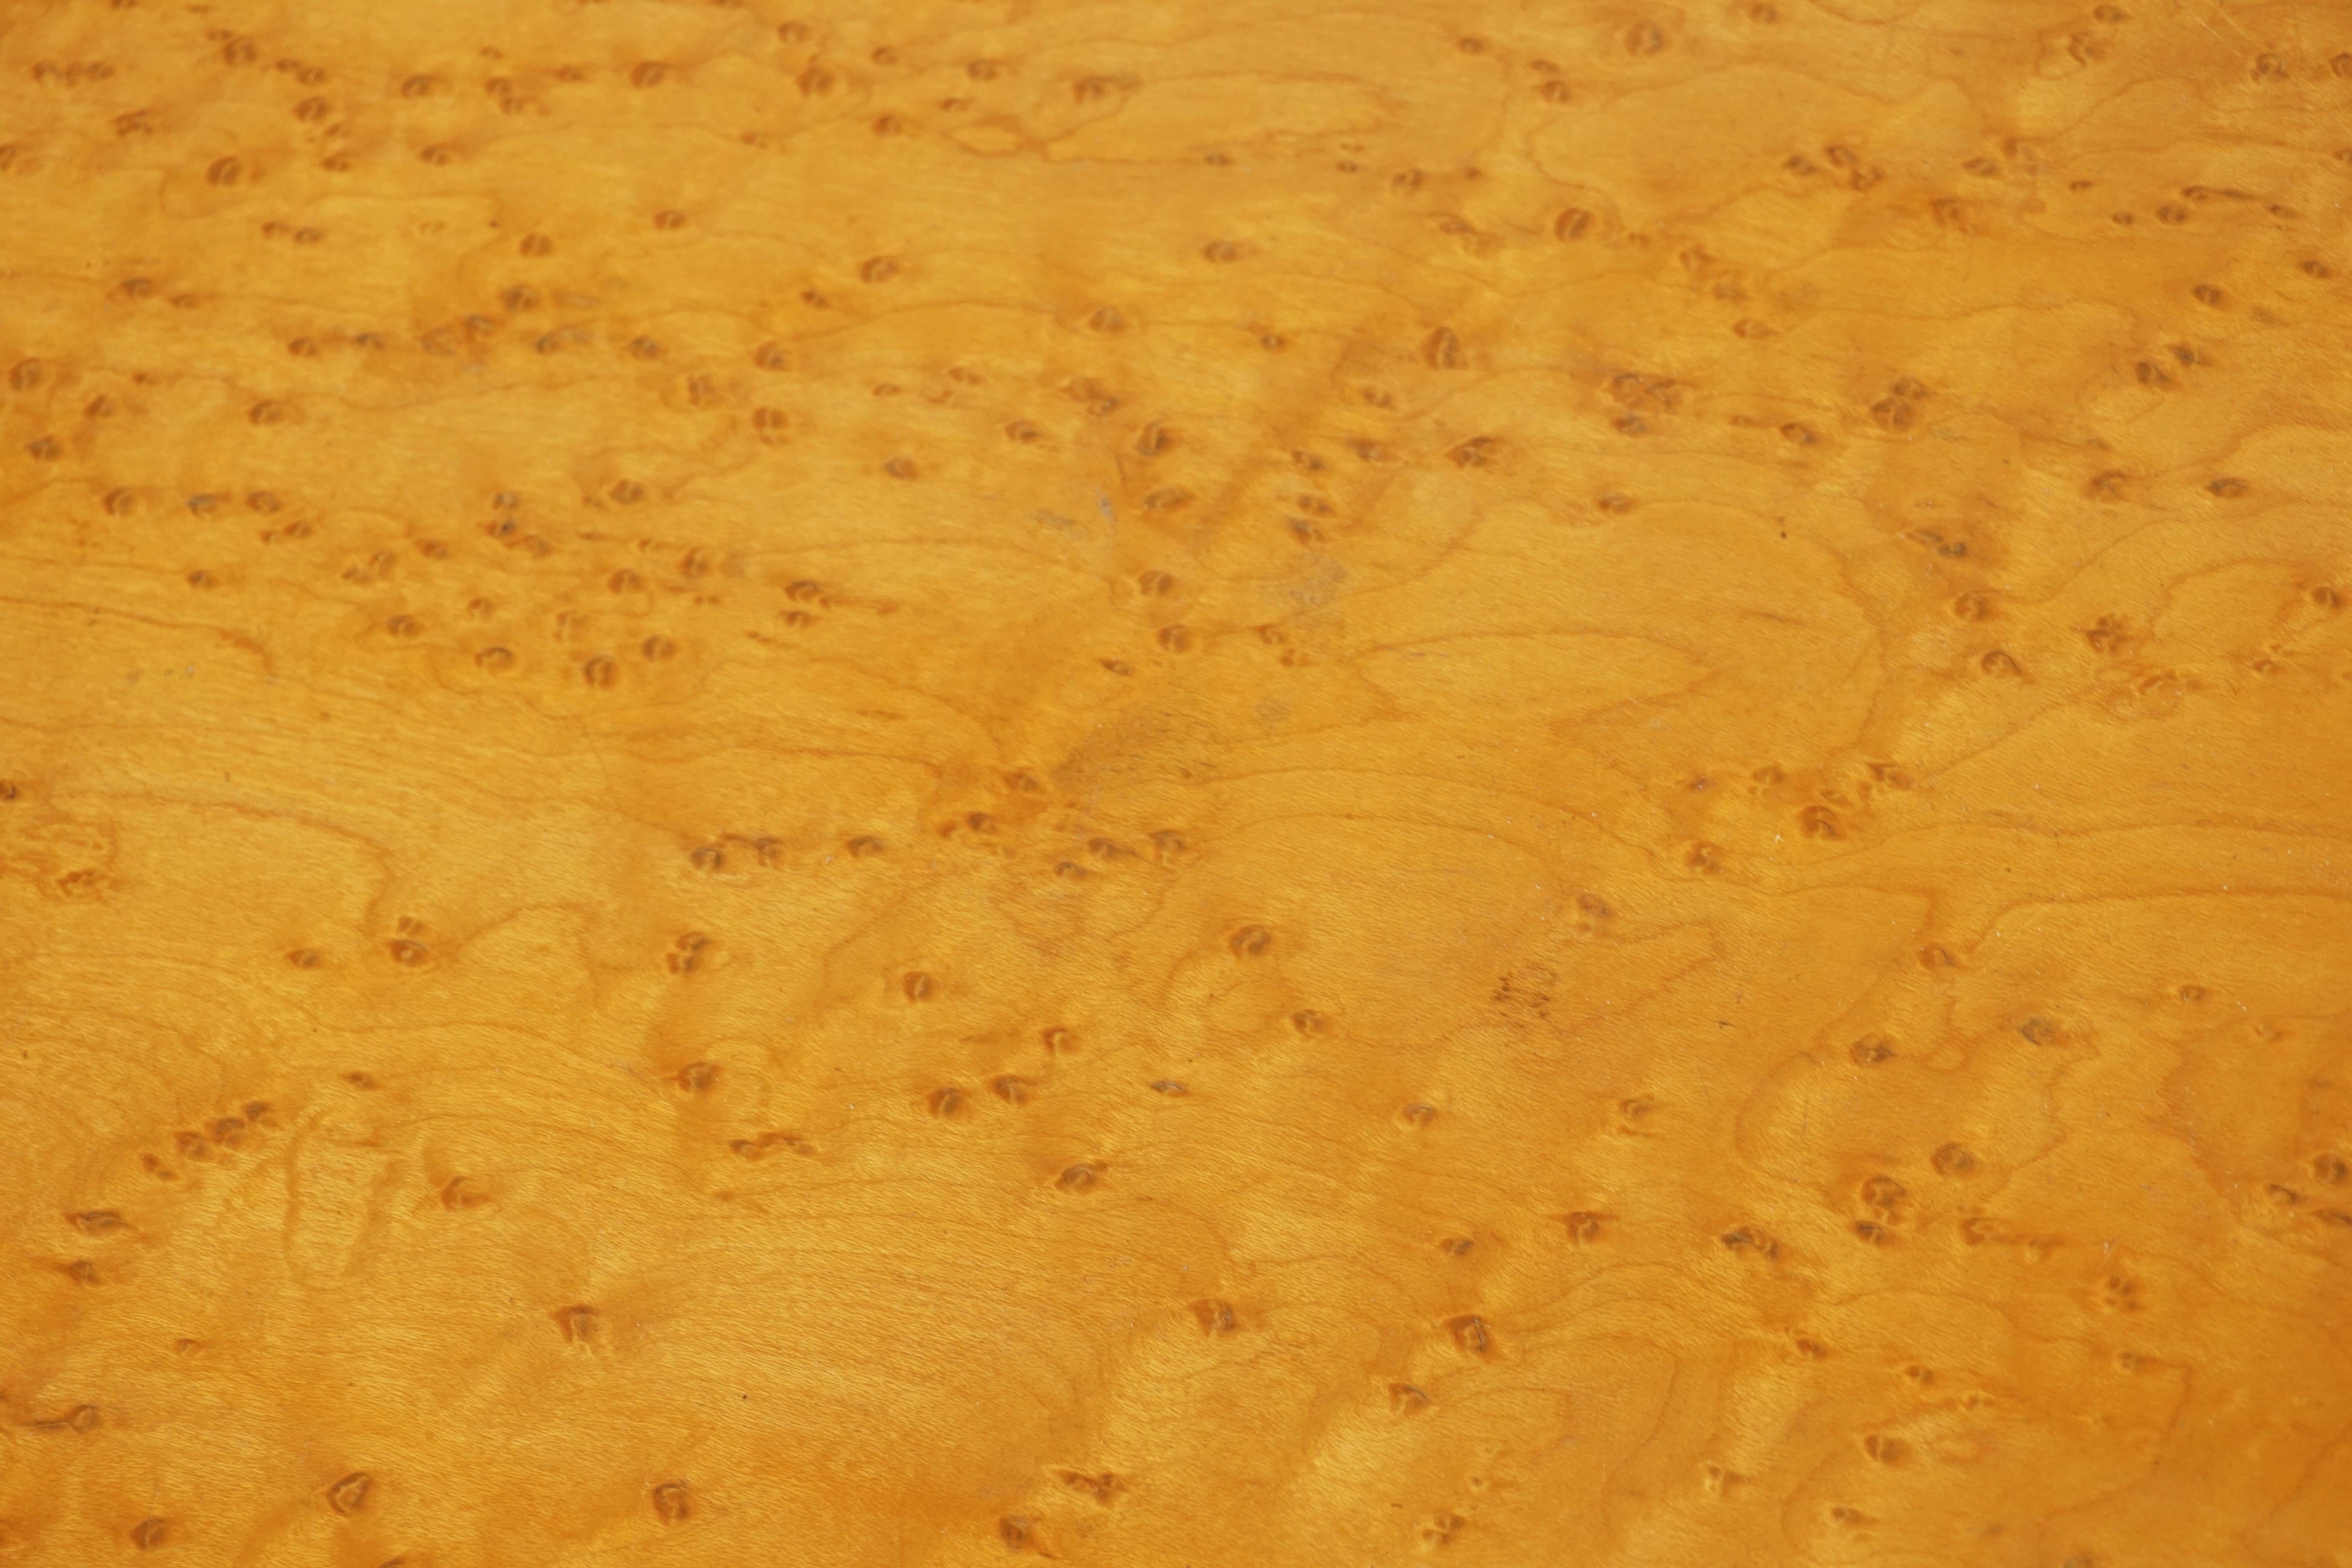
1173, 782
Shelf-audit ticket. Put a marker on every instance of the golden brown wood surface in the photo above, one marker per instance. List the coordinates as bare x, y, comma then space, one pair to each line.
1175, 782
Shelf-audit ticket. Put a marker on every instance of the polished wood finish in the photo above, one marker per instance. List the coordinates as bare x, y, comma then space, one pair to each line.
1192, 783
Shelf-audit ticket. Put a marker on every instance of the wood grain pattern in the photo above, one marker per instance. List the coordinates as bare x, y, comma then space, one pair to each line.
1175, 782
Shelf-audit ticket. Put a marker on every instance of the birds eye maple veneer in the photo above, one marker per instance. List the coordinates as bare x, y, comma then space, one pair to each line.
1175, 783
